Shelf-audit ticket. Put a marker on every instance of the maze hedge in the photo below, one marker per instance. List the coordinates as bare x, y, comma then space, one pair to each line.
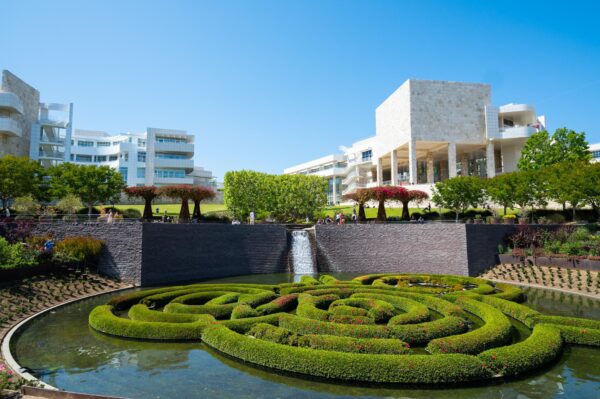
384, 328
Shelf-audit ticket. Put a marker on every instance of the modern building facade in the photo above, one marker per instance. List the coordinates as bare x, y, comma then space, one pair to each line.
44, 132
156, 157
595, 151
427, 131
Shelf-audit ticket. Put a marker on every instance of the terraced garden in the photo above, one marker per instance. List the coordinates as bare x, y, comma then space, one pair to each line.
425, 329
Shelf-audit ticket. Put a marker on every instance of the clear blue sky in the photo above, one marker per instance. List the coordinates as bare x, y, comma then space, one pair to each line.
267, 84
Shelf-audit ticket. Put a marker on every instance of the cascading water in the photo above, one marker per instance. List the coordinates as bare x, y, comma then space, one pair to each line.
302, 254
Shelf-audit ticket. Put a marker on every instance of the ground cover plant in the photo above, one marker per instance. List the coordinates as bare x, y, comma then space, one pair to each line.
386, 328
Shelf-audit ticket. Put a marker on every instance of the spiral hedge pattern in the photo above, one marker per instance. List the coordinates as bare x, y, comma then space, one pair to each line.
385, 328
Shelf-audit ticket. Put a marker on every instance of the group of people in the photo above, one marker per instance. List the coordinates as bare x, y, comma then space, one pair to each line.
340, 218
109, 216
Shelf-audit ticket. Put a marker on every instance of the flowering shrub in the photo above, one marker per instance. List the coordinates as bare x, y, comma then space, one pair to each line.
78, 249
9, 380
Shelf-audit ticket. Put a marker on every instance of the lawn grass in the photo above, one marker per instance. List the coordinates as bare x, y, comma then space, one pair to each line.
173, 209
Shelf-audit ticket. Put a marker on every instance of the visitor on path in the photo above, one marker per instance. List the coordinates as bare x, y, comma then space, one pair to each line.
320, 221
252, 217
109, 219
354, 215
342, 219
337, 218
421, 220
49, 245
7, 212
158, 210
413, 219
328, 220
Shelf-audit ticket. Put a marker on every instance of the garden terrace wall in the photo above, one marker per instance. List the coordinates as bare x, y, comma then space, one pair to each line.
121, 256
175, 253
447, 248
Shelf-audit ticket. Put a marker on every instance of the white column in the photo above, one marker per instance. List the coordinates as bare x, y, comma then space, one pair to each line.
430, 174
451, 160
464, 164
412, 161
394, 167
490, 160
334, 199
379, 172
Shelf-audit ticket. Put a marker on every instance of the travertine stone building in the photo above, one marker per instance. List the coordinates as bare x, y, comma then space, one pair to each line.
427, 131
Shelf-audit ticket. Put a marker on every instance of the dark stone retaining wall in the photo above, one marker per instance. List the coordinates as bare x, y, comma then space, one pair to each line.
445, 248
175, 253
122, 254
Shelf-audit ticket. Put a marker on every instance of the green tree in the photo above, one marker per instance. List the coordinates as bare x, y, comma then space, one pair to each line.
542, 150
530, 189
70, 204
92, 184
26, 205
501, 189
20, 176
246, 191
459, 193
567, 183
591, 187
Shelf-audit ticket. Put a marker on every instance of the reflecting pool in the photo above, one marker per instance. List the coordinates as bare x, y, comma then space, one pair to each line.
64, 352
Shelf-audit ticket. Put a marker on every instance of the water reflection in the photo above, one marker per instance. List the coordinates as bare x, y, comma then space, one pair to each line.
66, 353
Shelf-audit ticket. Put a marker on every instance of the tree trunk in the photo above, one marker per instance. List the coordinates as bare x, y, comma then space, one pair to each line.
504, 210
90, 206
456, 216
381, 216
147, 210
574, 212
361, 213
196, 214
184, 214
405, 212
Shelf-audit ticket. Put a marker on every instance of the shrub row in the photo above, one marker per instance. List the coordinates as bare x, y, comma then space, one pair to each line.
496, 331
280, 304
424, 369
540, 348
411, 333
268, 332
354, 345
378, 310
242, 311
520, 312
218, 311
579, 335
414, 311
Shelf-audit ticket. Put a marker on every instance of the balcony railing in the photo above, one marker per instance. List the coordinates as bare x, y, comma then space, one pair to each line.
51, 154
10, 127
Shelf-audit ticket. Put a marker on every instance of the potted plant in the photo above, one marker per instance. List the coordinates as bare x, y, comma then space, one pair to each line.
509, 219
478, 219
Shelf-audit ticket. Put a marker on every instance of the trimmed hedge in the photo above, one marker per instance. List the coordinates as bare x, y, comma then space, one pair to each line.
424, 369
358, 330
540, 348
496, 331
354, 345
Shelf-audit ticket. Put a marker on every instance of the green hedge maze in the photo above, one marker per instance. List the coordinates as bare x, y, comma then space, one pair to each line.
379, 328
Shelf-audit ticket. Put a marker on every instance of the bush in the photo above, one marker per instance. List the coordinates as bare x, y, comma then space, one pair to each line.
78, 249
16, 255
131, 213
270, 333
540, 348
354, 345
243, 311
346, 366
496, 331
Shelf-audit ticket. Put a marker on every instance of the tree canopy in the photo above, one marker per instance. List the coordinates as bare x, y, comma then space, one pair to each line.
459, 193
148, 194
20, 176
542, 149
284, 197
92, 184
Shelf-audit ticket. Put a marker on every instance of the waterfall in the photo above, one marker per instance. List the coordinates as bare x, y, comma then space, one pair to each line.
302, 254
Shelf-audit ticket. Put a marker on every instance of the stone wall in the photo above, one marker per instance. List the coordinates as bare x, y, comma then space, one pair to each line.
445, 248
177, 253
122, 254
391, 248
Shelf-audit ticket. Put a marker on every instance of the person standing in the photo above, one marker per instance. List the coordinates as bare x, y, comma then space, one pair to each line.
252, 217
337, 218
109, 219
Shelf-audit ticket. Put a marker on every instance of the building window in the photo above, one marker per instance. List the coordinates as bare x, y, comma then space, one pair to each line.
116, 142
125, 156
141, 143
83, 158
170, 140
141, 157
72, 157
341, 165
113, 157
596, 154
367, 155
104, 144
123, 172
169, 173
100, 158
163, 155
82, 143
141, 173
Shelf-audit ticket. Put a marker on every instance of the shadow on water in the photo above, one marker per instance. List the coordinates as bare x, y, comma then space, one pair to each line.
62, 349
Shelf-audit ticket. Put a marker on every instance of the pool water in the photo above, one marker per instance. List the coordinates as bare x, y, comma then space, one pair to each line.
62, 350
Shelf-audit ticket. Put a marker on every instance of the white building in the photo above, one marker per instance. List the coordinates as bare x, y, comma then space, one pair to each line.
44, 132
156, 157
595, 151
427, 131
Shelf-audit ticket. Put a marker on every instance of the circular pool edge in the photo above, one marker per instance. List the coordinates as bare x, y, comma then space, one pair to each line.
9, 359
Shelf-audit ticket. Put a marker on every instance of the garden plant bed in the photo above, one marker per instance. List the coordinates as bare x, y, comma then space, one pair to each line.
383, 328
20, 299
573, 262
568, 279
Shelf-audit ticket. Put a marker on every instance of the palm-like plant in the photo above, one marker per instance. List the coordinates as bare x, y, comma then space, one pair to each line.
198, 194
405, 196
382, 194
148, 193
360, 197
183, 192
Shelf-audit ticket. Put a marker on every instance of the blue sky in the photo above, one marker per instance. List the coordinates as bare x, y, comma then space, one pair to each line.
267, 84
